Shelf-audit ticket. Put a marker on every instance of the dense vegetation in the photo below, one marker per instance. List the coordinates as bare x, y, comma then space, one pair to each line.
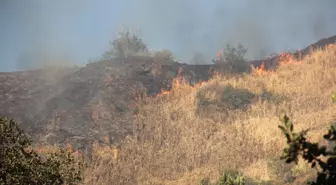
20, 164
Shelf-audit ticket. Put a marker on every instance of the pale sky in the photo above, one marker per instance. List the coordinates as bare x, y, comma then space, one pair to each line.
82, 29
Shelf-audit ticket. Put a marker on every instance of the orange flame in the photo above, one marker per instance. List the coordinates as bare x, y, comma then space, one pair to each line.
260, 70
288, 58
283, 58
262, 67
177, 83
219, 54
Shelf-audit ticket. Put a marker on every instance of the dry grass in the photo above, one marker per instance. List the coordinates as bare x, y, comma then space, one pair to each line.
180, 140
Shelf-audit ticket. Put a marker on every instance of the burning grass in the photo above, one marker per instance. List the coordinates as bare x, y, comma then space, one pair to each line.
174, 144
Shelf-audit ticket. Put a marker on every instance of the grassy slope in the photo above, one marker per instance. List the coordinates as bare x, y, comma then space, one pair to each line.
188, 133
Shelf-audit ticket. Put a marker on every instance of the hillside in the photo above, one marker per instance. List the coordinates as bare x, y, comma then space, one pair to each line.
227, 123
92, 103
157, 121
86, 104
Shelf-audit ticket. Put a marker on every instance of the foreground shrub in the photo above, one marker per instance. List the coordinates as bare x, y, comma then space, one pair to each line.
227, 178
319, 157
19, 164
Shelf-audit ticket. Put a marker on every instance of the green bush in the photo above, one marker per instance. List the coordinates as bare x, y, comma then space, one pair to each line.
227, 178
19, 164
125, 44
319, 157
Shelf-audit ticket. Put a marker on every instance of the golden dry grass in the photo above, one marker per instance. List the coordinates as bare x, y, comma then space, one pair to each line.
181, 141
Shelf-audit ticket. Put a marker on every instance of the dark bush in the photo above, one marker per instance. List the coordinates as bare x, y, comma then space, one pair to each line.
226, 99
272, 97
320, 157
233, 59
236, 98
20, 164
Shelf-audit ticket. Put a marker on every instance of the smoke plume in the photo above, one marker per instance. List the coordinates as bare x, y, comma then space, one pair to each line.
262, 26
83, 29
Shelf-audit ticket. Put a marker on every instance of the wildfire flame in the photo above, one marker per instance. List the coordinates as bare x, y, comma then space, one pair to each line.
180, 82
260, 70
283, 58
288, 58
176, 82
219, 54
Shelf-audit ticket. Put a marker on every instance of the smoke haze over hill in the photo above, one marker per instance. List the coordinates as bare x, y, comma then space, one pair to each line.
81, 30
188, 26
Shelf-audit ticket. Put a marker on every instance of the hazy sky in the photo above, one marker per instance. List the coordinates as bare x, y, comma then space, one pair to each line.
79, 30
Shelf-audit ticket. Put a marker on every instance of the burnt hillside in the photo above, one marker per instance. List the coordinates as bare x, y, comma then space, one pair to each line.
82, 105
86, 104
